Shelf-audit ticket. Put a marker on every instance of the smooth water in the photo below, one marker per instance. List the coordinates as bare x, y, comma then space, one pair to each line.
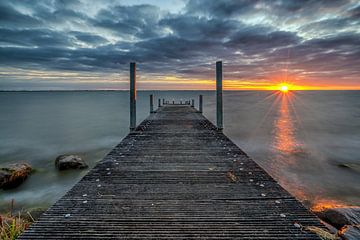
301, 138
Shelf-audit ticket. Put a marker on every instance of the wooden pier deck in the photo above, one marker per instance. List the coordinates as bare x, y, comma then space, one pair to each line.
175, 177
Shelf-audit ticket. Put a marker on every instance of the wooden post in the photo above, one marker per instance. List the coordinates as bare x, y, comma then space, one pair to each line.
159, 102
163, 101
132, 96
151, 103
219, 103
192, 102
201, 103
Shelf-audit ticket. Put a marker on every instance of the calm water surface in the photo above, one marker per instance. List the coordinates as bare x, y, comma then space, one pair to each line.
301, 138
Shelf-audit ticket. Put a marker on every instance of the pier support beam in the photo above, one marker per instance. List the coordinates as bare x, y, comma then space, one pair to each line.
151, 103
132, 96
201, 103
192, 102
159, 102
219, 103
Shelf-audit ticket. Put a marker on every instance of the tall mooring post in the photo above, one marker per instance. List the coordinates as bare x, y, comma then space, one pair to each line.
159, 102
151, 103
132, 96
219, 103
201, 103
192, 102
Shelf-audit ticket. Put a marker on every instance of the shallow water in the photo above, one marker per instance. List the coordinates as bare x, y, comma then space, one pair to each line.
300, 138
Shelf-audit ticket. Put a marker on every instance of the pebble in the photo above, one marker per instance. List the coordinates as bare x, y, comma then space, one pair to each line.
108, 173
282, 215
250, 173
117, 163
261, 185
297, 225
97, 180
67, 215
99, 185
277, 201
263, 195
241, 169
84, 195
85, 201
107, 169
251, 180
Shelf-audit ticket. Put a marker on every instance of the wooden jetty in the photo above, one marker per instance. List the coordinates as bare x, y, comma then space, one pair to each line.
175, 176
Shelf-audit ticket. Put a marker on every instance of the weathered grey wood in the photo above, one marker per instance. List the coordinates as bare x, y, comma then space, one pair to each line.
219, 102
132, 96
170, 178
151, 103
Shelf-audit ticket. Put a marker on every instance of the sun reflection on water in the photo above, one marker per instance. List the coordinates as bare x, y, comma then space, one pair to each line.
285, 141
287, 150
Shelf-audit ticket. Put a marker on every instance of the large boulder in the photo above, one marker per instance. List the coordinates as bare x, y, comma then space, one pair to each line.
14, 174
350, 232
64, 162
339, 217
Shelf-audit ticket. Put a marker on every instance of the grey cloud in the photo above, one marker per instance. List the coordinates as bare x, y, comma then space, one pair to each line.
34, 38
192, 27
253, 40
89, 38
10, 17
225, 8
140, 21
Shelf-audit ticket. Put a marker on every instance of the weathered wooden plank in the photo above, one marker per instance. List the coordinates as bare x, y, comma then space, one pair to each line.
175, 177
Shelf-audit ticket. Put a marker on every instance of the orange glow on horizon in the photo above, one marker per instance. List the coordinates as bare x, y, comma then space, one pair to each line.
113, 81
323, 204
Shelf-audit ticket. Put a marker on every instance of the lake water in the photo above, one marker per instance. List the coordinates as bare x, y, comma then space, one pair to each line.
302, 139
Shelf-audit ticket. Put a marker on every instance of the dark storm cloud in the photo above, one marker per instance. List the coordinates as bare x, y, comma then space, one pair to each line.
254, 40
252, 37
34, 38
11, 18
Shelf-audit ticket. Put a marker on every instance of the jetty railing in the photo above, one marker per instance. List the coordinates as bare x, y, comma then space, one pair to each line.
191, 102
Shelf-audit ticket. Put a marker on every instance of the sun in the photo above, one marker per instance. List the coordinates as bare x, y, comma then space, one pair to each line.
284, 88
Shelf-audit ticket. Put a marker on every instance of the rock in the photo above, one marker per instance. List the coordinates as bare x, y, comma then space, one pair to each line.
13, 175
350, 232
322, 233
339, 217
64, 162
352, 166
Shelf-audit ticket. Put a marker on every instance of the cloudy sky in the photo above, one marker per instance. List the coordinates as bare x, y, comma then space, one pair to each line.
54, 44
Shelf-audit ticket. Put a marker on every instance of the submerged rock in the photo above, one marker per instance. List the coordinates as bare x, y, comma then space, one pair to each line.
351, 166
13, 175
350, 232
339, 217
64, 162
